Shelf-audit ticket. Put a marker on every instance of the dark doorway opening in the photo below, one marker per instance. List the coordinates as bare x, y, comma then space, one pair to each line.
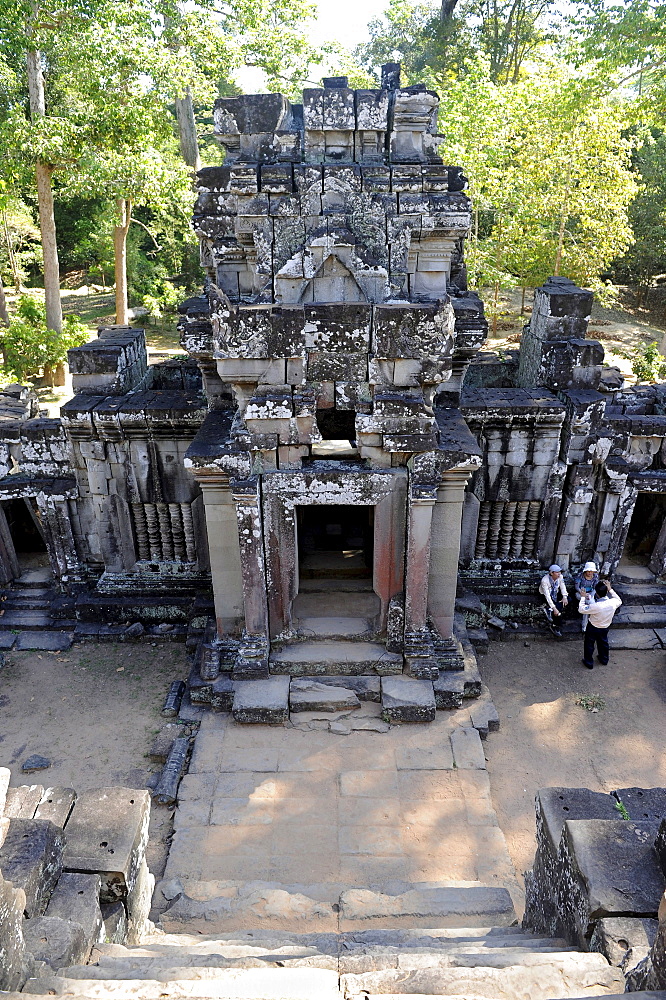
25, 533
335, 541
646, 523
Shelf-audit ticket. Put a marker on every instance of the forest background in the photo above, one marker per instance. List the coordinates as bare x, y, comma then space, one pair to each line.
555, 110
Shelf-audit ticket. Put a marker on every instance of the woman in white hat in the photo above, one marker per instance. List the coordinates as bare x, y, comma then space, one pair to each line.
585, 582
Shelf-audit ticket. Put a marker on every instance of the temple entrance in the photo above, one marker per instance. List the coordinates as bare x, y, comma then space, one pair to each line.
335, 541
645, 546
22, 545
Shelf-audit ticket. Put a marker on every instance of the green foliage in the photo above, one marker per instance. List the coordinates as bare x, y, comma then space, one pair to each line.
164, 300
28, 346
622, 809
647, 362
550, 169
646, 257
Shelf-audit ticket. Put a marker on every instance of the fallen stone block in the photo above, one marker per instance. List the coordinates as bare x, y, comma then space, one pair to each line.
31, 859
553, 807
12, 942
138, 905
5, 776
222, 694
166, 789
107, 834
306, 695
173, 699
365, 687
23, 800
407, 699
56, 804
76, 898
449, 688
606, 868
161, 746
262, 701
35, 763
55, 940
467, 749
114, 923
53, 642
479, 639
485, 717
625, 941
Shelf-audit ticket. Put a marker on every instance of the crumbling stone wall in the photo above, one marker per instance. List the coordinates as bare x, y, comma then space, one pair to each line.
72, 872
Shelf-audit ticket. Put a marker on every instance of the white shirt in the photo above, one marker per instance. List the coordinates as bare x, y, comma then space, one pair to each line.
602, 610
545, 587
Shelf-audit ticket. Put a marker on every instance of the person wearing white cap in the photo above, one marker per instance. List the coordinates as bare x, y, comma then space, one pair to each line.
585, 582
553, 588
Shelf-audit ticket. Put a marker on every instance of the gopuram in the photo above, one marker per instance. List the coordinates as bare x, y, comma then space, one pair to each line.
338, 453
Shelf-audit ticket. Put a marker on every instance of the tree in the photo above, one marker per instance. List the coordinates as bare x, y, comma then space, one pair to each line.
439, 43
551, 171
646, 257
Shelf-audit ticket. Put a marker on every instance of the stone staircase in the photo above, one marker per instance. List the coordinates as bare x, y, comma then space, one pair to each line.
33, 615
335, 661
470, 962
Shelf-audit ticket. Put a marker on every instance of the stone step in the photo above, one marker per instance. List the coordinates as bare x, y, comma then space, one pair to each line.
640, 616
264, 701
641, 593
426, 905
230, 984
261, 943
407, 699
37, 578
573, 975
355, 961
312, 696
326, 585
335, 657
335, 628
25, 619
25, 602
336, 603
161, 943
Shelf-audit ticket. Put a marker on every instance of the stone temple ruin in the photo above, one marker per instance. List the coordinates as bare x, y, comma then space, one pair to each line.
338, 449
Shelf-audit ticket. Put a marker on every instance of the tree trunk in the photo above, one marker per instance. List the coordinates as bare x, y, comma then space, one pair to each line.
187, 128
45, 198
49, 247
124, 209
522, 302
16, 275
4, 315
564, 218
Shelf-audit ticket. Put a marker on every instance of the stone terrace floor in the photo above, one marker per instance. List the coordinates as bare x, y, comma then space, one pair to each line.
307, 807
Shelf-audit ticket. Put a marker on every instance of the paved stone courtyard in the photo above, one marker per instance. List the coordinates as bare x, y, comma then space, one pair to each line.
364, 809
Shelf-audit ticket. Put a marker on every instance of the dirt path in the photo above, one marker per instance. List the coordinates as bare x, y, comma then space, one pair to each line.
546, 739
93, 711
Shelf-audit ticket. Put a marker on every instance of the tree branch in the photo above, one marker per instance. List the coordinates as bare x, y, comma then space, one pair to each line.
144, 226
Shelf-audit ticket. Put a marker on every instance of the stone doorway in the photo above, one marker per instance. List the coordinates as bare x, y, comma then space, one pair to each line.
645, 547
335, 541
22, 541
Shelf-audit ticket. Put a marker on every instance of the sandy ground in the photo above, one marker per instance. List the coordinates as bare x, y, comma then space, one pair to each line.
546, 739
93, 711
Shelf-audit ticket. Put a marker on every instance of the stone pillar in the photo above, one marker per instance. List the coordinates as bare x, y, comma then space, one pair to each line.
444, 555
418, 643
224, 553
252, 660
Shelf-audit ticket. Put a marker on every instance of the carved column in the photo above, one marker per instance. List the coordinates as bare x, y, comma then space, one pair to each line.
252, 658
418, 643
444, 555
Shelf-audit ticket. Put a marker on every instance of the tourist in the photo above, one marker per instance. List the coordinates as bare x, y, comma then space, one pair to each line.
554, 590
600, 613
586, 581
